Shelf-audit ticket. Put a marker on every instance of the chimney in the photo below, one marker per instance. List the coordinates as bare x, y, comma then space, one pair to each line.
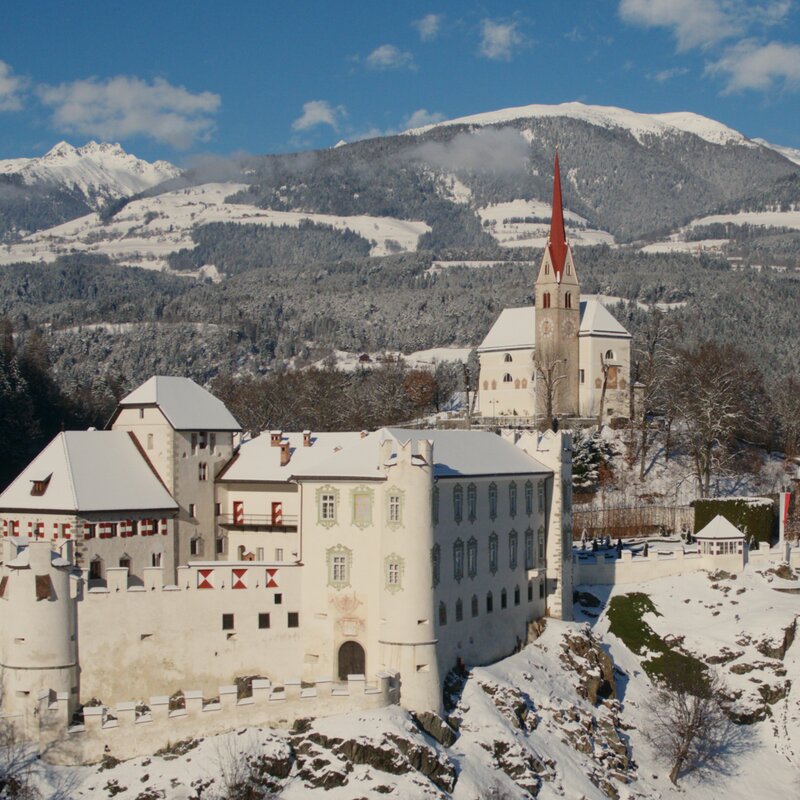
275, 438
364, 434
306, 438
285, 453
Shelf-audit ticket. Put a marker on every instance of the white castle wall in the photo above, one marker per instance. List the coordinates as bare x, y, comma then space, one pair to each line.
608, 571
123, 732
153, 639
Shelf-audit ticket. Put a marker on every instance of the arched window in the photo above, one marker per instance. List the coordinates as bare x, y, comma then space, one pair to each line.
546, 300
125, 561
516, 595
474, 605
516, 383
530, 591
568, 300
459, 610
504, 599
149, 441
609, 355
442, 614
96, 569
489, 603
494, 384
507, 378
507, 358
486, 384
524, 383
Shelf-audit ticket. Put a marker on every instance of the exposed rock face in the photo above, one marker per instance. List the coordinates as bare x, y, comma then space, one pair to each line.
772, 649
436, 727
516, 706
593, 666
327, 762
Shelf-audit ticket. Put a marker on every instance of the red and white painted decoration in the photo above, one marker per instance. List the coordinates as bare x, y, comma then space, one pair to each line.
277, 513
272, 578
239, 578
238, 512
205, 579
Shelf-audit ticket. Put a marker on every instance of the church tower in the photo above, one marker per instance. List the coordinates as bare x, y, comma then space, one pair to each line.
557, 320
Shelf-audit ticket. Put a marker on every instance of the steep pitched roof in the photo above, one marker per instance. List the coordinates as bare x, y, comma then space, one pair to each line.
719, 528
187, 406
455, 453
89, 471
258, 460
515, 328
557, 241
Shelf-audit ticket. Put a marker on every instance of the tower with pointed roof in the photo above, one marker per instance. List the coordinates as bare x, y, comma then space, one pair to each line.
557, 293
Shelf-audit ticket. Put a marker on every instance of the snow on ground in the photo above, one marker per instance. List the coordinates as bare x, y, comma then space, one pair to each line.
440, 266
529, 724
766, 219
792, 153
497, 218
639, 125
146, 231
682, 246
421, 359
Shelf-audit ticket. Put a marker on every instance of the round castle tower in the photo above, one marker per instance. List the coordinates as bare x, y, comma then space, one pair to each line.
407, 638
38, 629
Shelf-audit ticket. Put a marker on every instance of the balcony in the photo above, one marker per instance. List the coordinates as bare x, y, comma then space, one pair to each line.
259, 522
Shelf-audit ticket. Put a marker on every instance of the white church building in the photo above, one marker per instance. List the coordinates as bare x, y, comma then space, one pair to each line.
565, 356
168, 555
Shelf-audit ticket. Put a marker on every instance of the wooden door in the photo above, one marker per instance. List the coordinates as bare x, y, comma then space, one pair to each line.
352, 660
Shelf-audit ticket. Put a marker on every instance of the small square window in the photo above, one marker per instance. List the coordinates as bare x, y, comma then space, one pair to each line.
278, 554
293, 619
263, 621
192, 509
227, 622
278, 599
220, 546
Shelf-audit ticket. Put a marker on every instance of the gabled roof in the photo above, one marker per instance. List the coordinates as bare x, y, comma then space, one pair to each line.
258, 460
515, 328
719, 528
187, 406
455, 454
89, 471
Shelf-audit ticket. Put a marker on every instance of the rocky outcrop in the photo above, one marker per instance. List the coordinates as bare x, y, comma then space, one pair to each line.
772, 649
592, 665
436, 727
514, 704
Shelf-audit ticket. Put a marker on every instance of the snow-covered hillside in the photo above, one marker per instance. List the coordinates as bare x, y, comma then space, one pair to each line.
98, 171
564, 718
792, 153
639, 125
146, 231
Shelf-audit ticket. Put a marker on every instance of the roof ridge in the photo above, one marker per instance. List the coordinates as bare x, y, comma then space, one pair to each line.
68, 462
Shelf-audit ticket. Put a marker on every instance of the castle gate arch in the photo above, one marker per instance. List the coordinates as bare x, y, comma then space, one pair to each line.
351, 660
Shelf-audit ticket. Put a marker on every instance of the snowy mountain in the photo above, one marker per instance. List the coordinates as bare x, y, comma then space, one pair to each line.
99, 172
639, 125
792, 153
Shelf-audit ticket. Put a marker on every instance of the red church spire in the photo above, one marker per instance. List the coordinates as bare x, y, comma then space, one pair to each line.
557, 243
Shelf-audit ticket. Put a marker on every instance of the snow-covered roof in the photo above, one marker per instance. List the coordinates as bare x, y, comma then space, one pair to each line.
515, 328
455, 454
258, 460
719, 528
187, 406
86, 471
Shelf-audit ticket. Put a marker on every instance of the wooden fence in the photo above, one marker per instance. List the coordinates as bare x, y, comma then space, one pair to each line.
631, 521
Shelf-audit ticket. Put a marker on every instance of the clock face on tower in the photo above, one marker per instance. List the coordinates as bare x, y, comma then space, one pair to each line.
568, 327
546, 328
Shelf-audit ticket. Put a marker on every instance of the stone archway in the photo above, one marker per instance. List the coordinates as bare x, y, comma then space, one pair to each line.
351, 660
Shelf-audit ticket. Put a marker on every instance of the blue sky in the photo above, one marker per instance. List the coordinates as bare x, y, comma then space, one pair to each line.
177, 79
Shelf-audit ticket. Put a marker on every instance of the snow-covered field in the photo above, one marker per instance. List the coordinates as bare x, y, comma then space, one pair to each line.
497, 218
682, 246
765, 219
421, 359
535, 723
146, 231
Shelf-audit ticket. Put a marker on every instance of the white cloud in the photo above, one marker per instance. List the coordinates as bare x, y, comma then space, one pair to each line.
667, 74
750, 65
428, 26
11, 88
422, 117
387, 56
124, 106
499, 40
319, 112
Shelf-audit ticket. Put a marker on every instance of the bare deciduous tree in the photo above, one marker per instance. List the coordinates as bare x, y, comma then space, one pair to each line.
550, 373
687, 726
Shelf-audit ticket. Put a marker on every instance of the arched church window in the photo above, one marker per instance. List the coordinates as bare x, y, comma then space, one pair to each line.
609, 355
507, 378
546, 300
524, 383
568, 272
507, 358
568, 300
494, 384
486, 384
516, 383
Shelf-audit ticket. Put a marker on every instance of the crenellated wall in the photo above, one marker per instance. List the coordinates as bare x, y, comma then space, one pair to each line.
131, 728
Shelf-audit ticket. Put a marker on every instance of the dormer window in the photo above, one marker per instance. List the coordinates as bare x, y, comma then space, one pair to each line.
39, 487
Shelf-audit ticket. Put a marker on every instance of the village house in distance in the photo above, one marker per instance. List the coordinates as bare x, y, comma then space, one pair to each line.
562, 357
343, 570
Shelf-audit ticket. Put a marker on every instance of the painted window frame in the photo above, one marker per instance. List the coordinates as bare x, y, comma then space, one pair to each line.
395, 507
494, 549
394, 567
530, 550
528, 498
472, 557
512, 499
492, 500
436, 564
472, 502
332, 558
513, 548
323, 492
356, 494
458, 503
458, 560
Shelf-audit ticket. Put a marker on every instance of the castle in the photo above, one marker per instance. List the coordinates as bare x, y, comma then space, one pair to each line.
344, 569
562, 357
